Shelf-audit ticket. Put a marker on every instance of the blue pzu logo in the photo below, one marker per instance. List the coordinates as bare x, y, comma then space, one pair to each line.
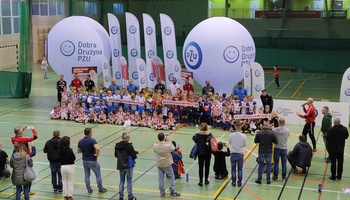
246, 74
231, 54
115, 52
193, 55
118, 75
257, 73
141, 67
347, 92
133, 52
150, 53
143, 81
167, 31
132, 29
151, 77
135, 75
316, 113
105, 66
279, 110
107, 78
67, 48
170, 54
114, 30
149, 30
170, 77
258, 88
177, 68
348, 76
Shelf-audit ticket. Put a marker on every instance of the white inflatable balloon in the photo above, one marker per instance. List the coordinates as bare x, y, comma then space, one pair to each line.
77, 42
215, 50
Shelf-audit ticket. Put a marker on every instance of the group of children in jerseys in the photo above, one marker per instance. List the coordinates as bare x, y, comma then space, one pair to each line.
147, 108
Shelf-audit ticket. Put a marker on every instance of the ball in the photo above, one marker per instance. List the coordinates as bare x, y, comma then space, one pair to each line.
206, 108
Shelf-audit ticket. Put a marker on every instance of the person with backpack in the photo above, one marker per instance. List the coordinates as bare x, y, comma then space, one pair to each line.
202, 139
178, 166
126, 154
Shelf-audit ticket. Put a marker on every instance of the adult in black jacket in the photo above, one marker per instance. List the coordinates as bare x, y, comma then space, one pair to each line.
266, 99
67, 158
301, 155
208, 88
51, 148
59, 86
89, 84
159, 86
336, 137
265, 138
125, 153
202, 138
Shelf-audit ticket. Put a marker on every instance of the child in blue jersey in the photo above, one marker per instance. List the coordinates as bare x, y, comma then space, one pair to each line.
90, 98
104, 107
97, 107
86, 109
83, 96
141, 99
127, 97
251, 105
116, 97
133, 106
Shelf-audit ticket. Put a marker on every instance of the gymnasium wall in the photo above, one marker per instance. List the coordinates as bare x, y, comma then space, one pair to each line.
8, 57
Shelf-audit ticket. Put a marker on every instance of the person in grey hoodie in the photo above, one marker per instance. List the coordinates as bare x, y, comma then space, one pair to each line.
126, 154
326, 126
280, 150
18, 163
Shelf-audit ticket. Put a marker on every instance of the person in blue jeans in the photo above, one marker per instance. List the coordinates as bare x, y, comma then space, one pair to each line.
265, 138
280, 150
126, 154
90, 149
19, 160
51, 148
237, 141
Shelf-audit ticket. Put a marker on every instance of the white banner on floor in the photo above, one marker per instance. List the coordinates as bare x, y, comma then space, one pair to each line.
288, 108
149, 32
345, 87
106, 70
258, 79
116, 47
247, 77
134, 45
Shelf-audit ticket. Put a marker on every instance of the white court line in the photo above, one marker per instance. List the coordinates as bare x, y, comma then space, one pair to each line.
270, 83
44, 81
251, 152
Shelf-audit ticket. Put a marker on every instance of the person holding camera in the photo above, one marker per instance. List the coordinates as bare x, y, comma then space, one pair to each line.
220, 168
163, 149
19, 139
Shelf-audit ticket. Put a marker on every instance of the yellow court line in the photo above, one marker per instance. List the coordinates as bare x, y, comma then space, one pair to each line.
299, 88
30, 116
25, 110
32, 196
283, 88
228, 178
137, 189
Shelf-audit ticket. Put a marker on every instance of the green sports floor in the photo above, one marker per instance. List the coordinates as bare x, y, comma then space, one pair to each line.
35, 111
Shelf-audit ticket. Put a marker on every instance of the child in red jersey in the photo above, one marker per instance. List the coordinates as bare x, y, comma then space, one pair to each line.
102, 118
74, 113
82, 116
136, 119
120, 116
64, 111
112, 117
56, 113
171, 122
145, 120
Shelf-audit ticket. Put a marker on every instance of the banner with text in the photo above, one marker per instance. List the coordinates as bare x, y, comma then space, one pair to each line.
116, 47
141, 70
247, 78
345, 87
134, 45
258, 79
106, 70
169, 49
158, 68
149, 32
83, 71
288, 108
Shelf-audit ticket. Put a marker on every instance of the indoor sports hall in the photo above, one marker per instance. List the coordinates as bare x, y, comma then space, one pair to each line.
310, 45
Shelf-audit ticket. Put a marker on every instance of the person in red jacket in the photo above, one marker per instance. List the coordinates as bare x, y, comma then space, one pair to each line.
76, 82
19, 139
310, 115
277, 75
188, 87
